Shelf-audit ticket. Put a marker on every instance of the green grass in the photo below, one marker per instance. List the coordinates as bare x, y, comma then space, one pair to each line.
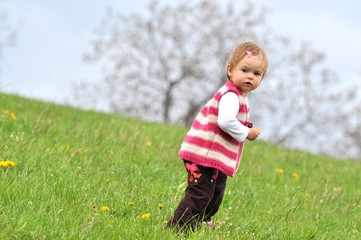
70, 163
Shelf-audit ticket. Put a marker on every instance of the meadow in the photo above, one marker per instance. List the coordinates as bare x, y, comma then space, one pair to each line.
67, 173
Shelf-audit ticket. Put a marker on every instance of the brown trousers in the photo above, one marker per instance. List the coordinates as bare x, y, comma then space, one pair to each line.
202, 197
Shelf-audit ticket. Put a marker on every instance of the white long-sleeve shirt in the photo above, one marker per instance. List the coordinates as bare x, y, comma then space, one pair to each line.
227, 121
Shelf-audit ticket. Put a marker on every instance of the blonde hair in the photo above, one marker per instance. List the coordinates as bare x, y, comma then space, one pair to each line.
242, 50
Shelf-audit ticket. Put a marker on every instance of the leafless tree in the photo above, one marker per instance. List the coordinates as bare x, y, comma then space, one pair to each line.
352, 139
350, 144
162, 65
165, 64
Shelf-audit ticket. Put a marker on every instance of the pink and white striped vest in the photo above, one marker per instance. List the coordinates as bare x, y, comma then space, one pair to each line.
207, 144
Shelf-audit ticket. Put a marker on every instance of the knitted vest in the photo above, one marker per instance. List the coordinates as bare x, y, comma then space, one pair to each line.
207, 144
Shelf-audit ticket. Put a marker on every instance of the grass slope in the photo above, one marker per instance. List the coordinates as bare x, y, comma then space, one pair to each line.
88, 175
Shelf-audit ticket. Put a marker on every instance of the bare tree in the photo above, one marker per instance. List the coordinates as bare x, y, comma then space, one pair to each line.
350, 142
155, 64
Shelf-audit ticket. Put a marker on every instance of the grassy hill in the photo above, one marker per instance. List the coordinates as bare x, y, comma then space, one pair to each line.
88, 175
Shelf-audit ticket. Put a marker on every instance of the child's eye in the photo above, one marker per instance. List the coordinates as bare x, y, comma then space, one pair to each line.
257, 74
244, 70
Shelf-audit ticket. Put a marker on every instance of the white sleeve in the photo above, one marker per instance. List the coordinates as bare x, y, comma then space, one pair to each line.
227, 111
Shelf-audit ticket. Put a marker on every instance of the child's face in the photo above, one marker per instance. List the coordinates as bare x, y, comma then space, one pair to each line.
247, 74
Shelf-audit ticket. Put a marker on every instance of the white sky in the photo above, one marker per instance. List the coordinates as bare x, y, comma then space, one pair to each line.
54, 34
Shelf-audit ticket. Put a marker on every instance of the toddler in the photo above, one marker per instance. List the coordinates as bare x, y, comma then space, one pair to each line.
212, 148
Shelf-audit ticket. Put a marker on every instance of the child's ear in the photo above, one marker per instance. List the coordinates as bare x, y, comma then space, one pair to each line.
229, 70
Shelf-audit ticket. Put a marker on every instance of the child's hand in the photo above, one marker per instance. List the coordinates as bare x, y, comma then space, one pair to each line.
253, 133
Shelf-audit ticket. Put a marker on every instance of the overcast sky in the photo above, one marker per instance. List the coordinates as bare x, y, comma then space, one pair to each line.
54, 34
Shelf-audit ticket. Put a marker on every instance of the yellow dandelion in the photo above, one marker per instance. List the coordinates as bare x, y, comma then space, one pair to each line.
6, 112
145, 216
9, 113
148, 143
3, 164
10, 163
12, 116
295, 176
131, 203
160, 206
105, 209
280, 170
